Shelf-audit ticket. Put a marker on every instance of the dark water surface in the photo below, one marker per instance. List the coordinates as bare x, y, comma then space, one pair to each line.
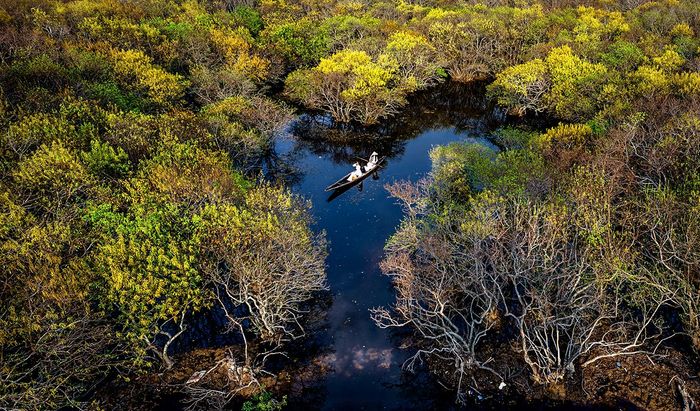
366, 361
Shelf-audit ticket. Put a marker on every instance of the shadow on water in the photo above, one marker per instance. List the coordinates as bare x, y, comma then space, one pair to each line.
359, 187
462, 108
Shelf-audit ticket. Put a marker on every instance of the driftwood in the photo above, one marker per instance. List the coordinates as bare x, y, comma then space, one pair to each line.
688, 404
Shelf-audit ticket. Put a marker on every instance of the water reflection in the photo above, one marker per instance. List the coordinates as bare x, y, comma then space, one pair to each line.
363, 362
462, 108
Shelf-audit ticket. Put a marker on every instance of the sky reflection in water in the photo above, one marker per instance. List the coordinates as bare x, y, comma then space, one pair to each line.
365, 360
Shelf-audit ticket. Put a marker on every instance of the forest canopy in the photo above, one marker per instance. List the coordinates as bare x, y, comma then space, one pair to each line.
132, 133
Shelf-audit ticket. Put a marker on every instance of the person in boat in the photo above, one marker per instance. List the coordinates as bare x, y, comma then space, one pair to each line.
373, 160
355, 174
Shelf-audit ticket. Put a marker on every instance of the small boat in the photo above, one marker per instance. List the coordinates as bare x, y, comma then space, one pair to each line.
344, 182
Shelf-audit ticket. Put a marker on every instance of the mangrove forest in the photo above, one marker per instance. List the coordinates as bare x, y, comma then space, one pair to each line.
521, 229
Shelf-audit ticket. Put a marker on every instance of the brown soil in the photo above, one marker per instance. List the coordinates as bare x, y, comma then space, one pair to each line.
629, 382
649, 384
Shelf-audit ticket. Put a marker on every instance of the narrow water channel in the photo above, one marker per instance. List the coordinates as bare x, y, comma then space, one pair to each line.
365, 360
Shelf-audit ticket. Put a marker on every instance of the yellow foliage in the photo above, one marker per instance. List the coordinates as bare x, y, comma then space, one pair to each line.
651, 80
687, 83
565, 136
13, 217
192, 10
51, 176
5, 17
184, 173
601, 24
365, 76
439, 14
237, 52
565, 66
349, 8
682, 30
670, 60
161, 87
404, 41
85, 8
522, 87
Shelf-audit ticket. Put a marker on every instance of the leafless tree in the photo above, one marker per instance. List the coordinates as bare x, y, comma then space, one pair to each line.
662, 151
329, 96
161, 349
272, 281
443, 291
669, 239
263, 265
212, 85
59, 362
264, 272
215, 387
475, 54
571, 300
516, 259
478, 46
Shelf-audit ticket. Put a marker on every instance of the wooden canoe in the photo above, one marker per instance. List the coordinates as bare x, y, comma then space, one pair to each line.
344, 183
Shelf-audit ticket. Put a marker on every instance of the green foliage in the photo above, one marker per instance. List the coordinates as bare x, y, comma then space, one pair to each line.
108, 188
147, 261
148, 256
186, 174
624, 56
461, 171
40, 70
31, 131
264, 401
174, 30
51, 178
510, 138
110, 93
104, 161
346, 30
303, 42
351, 86
522, 87
575, 83
249, 18
118, 211
88, 64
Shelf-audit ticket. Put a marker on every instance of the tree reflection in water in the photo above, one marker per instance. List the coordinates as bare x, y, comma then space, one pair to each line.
462, 107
